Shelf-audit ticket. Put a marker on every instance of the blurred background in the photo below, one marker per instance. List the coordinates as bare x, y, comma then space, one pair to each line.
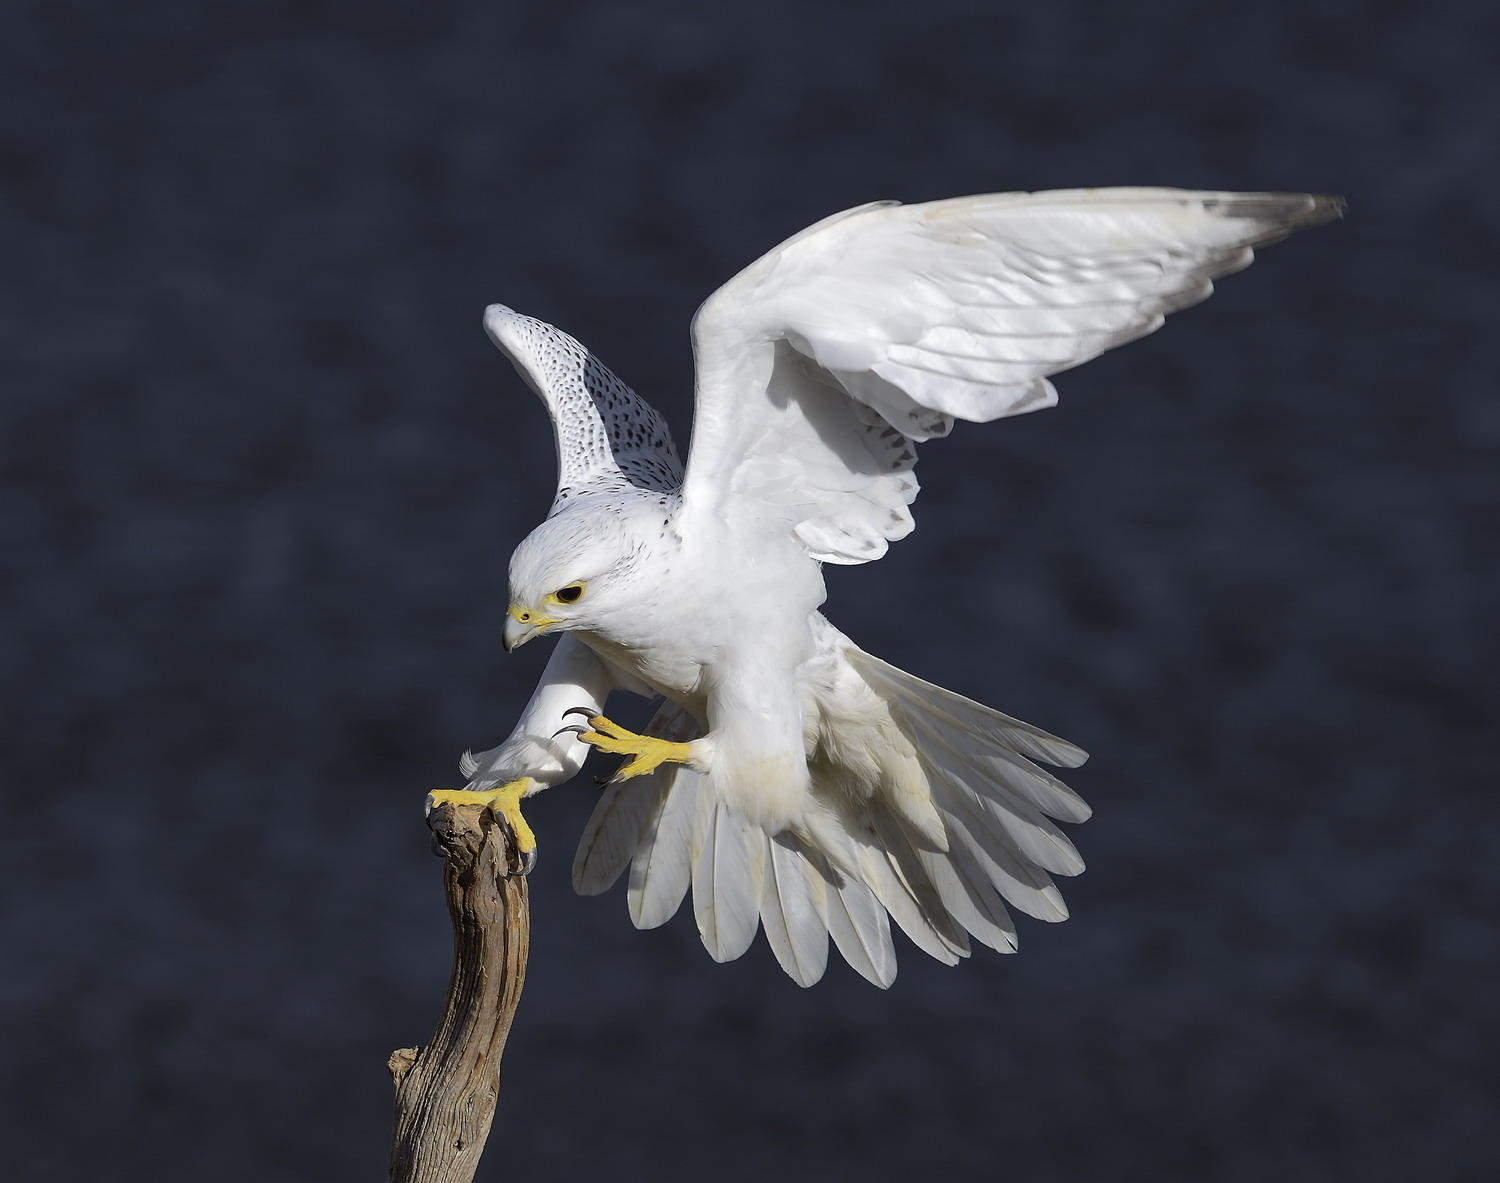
263, 473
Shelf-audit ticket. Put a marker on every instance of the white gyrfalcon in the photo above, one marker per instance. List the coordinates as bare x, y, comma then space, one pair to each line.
795, 782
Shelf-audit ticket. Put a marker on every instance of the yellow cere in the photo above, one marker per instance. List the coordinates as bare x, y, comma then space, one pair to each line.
535, 619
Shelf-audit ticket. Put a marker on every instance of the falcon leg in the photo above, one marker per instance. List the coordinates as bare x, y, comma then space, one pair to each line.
646, 752
502, 800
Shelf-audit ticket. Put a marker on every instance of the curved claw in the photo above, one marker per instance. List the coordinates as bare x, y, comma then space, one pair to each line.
576, 729
528, 861
586, 712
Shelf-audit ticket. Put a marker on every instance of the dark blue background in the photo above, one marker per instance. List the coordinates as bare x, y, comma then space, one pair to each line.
263, 473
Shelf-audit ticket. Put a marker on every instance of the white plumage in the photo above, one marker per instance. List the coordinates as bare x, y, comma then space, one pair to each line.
815, 791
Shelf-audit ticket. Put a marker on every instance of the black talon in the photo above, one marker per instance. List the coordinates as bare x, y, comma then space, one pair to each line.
586, 712
573, 730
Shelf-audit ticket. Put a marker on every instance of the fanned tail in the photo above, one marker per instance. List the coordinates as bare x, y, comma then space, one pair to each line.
963, 823
996, 803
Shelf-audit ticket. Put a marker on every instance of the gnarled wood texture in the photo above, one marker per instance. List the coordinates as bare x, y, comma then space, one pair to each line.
446, 1091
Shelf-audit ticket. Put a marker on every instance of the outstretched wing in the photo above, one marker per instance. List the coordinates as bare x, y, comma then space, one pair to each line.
608, 438
824, 363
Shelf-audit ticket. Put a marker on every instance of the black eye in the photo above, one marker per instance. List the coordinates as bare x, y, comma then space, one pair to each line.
570, 593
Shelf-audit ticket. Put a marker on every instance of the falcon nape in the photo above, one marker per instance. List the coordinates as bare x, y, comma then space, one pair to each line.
793, 781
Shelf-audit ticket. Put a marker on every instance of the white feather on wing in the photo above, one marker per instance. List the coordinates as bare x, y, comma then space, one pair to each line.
823, 363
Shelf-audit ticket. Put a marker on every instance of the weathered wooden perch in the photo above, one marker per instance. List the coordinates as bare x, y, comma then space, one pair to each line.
446, 1091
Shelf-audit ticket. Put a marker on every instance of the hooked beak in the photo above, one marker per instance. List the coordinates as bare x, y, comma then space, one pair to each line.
521, 626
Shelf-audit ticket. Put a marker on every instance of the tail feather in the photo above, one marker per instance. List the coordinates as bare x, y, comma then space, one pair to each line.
632, 826
956, 826
861, 841
999, 768
896, 897
857, 921
970, 898
613, 833
794, 911
861, 931
1015, 774
663, 863
729, 862
617, 827
1012, 823
965, 713
952, 772
936, 932
1020, 883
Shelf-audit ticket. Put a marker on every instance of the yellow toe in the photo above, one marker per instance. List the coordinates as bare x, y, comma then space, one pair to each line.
646, 752
503, 800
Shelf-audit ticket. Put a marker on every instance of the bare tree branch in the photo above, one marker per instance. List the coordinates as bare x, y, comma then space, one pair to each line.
446, 1091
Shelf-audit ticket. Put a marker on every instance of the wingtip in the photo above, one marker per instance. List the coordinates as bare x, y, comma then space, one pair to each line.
1283, 212
498, 320
1321, 207
1332, 205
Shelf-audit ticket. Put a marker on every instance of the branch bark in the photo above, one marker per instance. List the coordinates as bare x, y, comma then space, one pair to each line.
446, 1091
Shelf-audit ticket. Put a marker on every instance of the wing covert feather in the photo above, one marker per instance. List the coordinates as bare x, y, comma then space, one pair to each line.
824, 363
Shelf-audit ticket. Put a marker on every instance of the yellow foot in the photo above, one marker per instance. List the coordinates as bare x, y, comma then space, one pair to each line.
646, 752
502, 800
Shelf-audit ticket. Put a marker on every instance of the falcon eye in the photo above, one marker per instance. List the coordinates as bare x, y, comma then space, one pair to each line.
569, 594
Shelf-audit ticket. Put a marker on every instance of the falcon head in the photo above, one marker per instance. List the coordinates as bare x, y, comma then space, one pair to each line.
571, 572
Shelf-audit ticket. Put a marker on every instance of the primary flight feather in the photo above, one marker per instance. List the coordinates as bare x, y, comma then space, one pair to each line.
792, 782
